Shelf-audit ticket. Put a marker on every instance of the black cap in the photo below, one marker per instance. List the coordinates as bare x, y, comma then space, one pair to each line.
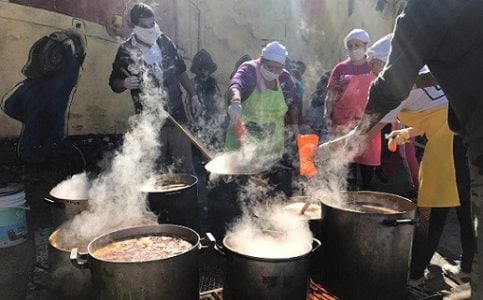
141, 10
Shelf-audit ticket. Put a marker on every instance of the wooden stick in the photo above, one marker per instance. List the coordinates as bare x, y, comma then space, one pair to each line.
206, 153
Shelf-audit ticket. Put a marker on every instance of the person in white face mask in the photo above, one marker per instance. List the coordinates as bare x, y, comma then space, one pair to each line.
149, 61
346, 99
261, 94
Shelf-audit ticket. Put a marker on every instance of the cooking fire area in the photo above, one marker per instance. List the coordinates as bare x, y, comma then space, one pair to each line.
227, 264
244, 226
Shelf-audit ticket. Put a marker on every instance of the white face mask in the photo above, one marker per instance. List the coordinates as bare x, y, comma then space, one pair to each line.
147, 35
357, 54
269, 76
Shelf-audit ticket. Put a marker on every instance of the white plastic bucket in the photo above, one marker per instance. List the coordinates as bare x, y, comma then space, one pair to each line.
13, 220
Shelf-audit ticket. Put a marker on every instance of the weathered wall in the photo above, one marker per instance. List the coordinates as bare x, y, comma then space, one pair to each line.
312, 30
95, 108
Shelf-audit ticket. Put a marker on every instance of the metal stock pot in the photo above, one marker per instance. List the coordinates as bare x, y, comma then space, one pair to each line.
251, 277
65, 208
368, 239
175, 277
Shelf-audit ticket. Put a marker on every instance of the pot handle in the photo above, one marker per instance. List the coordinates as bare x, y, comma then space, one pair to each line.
397, 222
317, 246
217, 247
211, 241
54, 203
78, 260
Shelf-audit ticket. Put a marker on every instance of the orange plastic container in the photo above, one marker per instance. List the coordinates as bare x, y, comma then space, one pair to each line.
307, 145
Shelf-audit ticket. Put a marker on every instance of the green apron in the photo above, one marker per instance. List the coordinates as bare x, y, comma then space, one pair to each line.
263, 116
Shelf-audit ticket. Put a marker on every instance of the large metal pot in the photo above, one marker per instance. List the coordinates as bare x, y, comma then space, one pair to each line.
178, 206
65, 208
171, 278
250, 277
368, 245
69, 282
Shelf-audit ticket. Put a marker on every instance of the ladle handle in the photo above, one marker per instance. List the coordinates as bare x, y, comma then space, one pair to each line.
206, 153
304, 208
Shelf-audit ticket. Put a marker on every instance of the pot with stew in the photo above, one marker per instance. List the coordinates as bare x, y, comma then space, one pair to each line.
368, 238
69, 282
144, 262
268, 267
174, 199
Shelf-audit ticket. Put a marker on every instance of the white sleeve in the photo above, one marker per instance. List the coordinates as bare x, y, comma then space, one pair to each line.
391, 116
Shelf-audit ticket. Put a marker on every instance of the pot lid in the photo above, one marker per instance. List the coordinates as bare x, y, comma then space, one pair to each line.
10, 189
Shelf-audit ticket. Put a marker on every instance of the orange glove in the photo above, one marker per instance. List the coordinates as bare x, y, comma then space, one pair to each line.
307, 145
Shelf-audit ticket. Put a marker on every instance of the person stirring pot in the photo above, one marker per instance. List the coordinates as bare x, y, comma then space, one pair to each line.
261, 97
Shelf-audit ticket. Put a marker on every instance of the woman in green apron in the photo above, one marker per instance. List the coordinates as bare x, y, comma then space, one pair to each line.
261, 102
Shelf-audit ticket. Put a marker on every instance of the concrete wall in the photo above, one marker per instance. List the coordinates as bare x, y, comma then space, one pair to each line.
94, 107
312, 30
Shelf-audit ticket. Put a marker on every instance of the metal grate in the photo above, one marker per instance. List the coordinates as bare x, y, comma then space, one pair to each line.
421, 293
210, 282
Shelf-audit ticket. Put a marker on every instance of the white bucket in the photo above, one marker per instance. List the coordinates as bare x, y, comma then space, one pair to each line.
13, 220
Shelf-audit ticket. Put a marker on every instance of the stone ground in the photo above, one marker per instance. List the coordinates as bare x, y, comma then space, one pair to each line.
23, 267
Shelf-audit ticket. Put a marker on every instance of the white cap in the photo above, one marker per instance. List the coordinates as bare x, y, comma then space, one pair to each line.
357, 34
380, 49
275, 51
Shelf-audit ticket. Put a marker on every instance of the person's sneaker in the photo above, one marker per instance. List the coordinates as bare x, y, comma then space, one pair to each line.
455, 273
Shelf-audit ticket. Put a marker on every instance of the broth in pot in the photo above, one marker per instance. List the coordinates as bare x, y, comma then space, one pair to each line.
143, 248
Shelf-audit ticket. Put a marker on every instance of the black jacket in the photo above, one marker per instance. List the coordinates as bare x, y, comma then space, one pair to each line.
129, 58
447, 35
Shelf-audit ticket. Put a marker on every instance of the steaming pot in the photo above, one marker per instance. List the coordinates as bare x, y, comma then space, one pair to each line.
65, 208
179, 206
250, 277
68, 281
368, 245
175, 277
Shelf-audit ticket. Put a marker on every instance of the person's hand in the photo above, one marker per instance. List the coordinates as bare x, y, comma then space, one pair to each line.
196, 105
235, 111
131, 82
398, 137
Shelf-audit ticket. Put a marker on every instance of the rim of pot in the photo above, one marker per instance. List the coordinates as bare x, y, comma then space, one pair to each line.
410, 206
57, 246
106, 235
64, 199
267, 259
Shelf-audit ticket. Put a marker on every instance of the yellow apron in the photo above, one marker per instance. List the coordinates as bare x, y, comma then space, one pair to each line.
437, 175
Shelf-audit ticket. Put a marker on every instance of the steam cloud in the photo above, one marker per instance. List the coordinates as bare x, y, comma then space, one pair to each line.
115, 198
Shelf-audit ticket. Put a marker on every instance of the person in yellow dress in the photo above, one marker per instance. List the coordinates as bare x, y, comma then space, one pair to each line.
444, 180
